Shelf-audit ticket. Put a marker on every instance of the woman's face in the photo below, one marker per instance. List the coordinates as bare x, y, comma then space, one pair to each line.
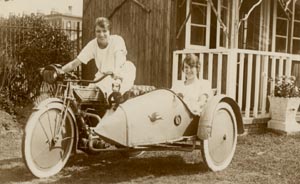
190, 72
102, 35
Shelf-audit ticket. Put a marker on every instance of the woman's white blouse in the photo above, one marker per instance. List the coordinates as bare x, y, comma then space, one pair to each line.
193, 94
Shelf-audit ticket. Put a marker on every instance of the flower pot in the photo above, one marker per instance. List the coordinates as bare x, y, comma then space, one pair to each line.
283, 114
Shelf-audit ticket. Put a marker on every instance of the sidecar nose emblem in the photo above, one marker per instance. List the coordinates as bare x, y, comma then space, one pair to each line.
154, 117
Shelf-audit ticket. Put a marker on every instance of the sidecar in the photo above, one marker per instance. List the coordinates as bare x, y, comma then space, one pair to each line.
161, 120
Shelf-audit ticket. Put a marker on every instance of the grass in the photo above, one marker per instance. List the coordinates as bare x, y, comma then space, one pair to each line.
259, 158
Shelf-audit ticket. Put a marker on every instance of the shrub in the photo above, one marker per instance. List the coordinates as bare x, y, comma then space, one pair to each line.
35, 44
5, 103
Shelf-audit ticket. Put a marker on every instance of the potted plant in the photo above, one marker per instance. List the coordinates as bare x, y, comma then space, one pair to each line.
284, 103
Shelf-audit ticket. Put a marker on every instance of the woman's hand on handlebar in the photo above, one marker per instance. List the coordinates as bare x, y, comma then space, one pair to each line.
109, 73
60, 71
113, 75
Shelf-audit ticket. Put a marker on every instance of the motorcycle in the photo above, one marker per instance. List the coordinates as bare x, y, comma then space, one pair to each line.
81, 117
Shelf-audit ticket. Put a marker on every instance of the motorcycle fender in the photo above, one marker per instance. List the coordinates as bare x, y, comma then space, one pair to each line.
46, 102
206, 119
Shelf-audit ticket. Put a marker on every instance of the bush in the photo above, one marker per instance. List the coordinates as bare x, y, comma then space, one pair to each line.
5, 103
35, 44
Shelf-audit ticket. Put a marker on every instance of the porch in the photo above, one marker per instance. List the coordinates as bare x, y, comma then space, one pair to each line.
241, 74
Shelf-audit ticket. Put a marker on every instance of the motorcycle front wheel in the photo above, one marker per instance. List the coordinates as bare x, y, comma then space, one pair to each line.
47, 142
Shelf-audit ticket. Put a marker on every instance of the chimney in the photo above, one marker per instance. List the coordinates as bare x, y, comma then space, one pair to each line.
70, 9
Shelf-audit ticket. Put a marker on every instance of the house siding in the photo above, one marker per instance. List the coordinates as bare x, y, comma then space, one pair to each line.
150, 37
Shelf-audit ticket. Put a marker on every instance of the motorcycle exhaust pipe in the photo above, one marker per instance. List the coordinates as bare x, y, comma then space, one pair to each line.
95, 141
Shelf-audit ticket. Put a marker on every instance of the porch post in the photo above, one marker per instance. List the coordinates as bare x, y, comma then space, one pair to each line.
231, 74
265, 11
234, 33
233, 45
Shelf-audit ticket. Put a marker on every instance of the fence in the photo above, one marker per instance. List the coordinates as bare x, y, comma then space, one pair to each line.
13, 31
255, 68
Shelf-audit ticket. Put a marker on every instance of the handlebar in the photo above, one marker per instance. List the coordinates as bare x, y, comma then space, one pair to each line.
89, 81
52, 72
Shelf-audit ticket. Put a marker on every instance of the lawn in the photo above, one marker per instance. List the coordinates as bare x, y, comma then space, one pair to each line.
259, 158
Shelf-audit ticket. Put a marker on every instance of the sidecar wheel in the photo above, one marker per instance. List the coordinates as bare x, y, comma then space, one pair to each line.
218, 150
131, 154
46, 150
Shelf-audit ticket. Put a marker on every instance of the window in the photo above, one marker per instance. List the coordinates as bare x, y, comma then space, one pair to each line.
196, 27
203, 29
282, 27
286, 37
198, 23
250, 28
69, 25
296, 31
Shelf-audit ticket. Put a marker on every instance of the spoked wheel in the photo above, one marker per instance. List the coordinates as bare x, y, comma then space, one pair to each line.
47, 142
218, 150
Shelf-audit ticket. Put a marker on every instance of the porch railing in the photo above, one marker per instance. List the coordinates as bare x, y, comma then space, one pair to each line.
241, 74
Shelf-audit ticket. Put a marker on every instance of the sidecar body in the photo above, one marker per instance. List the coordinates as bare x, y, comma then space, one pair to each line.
156, 117
161, 116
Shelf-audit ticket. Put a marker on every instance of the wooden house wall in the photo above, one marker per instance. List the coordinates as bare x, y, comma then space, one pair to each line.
150, 37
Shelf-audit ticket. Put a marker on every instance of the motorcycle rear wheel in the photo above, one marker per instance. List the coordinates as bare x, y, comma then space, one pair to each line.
45, 149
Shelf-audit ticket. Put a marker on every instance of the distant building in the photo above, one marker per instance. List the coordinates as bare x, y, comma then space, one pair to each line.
70, 23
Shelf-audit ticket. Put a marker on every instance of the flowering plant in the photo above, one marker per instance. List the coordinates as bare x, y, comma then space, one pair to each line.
285, 87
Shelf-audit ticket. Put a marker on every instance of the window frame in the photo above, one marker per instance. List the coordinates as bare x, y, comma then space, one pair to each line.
189, 24
290, 37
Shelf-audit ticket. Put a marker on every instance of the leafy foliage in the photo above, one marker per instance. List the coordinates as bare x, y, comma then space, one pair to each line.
34, 44
5, 103
285, 87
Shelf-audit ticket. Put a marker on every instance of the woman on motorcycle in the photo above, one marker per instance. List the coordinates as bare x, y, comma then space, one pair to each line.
109, 53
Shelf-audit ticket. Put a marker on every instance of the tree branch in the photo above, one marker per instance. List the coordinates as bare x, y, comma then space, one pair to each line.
284, 6
225, 30
186, 19
241, 2
182, 25
249, 12
182, 3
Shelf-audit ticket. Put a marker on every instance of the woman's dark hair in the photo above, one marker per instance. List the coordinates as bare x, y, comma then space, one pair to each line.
103, 22
193, 61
